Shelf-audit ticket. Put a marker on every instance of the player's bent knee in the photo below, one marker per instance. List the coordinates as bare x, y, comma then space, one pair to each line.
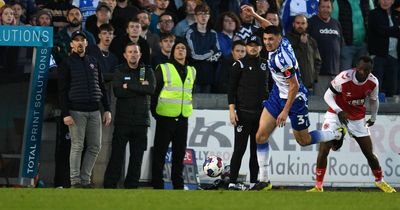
302, 143
261, 138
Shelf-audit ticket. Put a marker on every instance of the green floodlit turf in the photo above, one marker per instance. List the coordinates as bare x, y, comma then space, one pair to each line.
174, 200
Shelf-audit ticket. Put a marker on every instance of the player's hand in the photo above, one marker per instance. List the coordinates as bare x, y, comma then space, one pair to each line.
125, 86
281, 120
343, 118
107, 118
68, 120
370, 123
233, 117
145, 82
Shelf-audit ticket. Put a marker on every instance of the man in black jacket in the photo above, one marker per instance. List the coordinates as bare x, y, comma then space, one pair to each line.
383, 37
81, 88
133, 84
247, 89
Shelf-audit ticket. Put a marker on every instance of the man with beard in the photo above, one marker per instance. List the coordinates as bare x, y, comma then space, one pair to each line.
151, 38
62, 39
133, 84
306, 50
247, 89
81, 89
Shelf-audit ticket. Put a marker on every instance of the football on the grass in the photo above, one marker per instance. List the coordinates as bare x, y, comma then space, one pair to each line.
213, 166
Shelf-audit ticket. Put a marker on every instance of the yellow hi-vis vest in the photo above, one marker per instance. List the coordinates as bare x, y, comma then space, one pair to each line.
176, 98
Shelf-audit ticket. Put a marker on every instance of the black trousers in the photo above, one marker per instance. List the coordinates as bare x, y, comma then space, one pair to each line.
169, 130
63, 147
247, 126
137, 138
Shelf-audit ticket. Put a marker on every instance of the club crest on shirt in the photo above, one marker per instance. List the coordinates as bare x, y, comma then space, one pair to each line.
91, 66
263, 66
239, 128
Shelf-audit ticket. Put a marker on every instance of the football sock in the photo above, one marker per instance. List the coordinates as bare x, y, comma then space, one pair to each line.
320, 177
263, 157
318, 136
378, 174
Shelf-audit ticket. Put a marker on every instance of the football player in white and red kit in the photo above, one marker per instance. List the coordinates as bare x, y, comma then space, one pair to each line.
346, 98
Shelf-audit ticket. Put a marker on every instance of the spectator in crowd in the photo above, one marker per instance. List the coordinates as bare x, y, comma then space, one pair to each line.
122, 13
183, 25
91, 21
58, 10
247, 90
19, 13
81, 88
8, 54
205, 50
272, 5
144, 4
328, 34
227, 25
238, 51
166, 23
291, 8
62, 39
44, 18
171, 109
103, 16
262, 6
161, 7
107, 60
247, 28
353, 16
133, 84
87, 8
164, 53
151, 38
273, 17
133, 29
28, 5
383, 45
306, 50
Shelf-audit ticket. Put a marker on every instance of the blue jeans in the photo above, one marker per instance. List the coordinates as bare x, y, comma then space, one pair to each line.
87, 126
350, 54
386, 70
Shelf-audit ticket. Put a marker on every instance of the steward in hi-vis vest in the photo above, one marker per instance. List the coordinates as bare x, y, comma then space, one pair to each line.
171, 105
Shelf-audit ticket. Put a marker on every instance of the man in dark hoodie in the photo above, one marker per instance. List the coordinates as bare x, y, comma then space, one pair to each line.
171, 106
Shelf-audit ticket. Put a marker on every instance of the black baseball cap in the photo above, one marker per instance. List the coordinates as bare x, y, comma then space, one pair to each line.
78, 33
103, 5
254, 39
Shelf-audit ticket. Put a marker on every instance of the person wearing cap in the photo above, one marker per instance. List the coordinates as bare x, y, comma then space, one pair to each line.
171, 106
81, 91
103, 16
247, 89
62, 39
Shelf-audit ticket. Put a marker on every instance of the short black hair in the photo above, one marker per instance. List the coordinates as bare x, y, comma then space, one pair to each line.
366, 59
106, 27
132, 20
238, 42
166, 36
276, 30
73, 7
132, 44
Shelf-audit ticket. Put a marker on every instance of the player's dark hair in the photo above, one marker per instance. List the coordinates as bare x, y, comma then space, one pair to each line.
366, 59
272, 30
238, 42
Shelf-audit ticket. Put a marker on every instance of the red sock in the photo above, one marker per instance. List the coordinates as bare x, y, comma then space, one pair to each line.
378, 174
320, 176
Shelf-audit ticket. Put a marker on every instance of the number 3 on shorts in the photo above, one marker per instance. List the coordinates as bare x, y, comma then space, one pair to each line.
300, 119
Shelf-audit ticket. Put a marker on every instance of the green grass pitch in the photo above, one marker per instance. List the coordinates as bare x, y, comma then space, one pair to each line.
85, 199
